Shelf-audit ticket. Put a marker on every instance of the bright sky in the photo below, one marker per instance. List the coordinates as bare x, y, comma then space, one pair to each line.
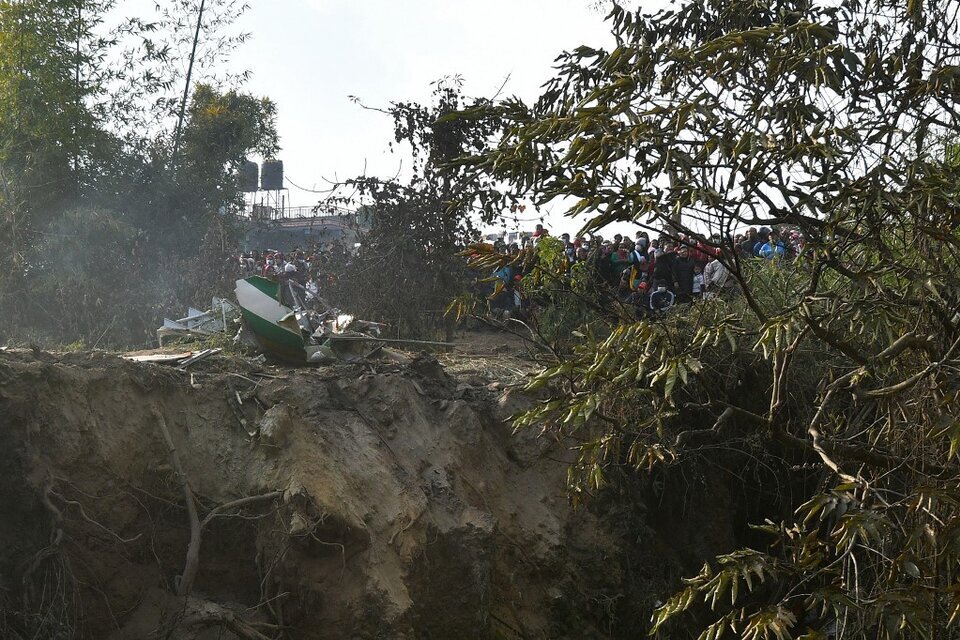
310, 55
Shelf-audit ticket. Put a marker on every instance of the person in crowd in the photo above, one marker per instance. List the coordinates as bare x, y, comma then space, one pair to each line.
773, 248
663, 268
748, 242
594, 263
247, 264
303, 269
762, 236
683, 272
624, 288
639, 253
504, 298
700, 252
292, 293
620, 259
605, 267
795, 245
639, 282
661, 299
716, 277
568, 248
643, 240
697, 281
269, 266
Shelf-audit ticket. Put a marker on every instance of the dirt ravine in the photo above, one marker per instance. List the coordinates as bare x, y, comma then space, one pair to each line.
384, 502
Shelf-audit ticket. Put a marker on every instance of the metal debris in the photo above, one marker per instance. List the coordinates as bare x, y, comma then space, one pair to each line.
292, 324
197, 323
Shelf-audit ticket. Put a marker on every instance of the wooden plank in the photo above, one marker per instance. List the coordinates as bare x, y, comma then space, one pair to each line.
160, 358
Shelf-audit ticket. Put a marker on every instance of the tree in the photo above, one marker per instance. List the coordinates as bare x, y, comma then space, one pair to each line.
826, 118
47, 130
151, 58
420, 224
85, 133
222, 130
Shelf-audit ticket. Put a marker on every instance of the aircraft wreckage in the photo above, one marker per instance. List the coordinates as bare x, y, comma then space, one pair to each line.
287, 322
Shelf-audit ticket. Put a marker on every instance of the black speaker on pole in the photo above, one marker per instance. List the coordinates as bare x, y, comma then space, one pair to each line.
271, 175
249, 176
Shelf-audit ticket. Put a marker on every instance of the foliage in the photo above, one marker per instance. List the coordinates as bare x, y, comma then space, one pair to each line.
557, 297
150, 60
407, 269
825, 117
87, 269
98, 236
222, 129
47, 128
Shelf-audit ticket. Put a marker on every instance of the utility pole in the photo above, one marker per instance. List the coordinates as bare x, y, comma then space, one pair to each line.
186, 89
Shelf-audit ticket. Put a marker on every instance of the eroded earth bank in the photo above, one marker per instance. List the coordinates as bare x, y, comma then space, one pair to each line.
235, 500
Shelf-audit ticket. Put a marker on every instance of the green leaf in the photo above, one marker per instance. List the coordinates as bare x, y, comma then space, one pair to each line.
671, 379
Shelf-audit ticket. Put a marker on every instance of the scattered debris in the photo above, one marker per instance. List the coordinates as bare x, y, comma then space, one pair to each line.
206, 353
287, 321
292, 324
339, 336
159, 358
182, 360
200, 323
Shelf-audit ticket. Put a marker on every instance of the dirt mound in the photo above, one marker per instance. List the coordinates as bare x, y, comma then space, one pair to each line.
341, 502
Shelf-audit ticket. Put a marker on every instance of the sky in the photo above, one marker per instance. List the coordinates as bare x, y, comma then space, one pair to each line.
309, 56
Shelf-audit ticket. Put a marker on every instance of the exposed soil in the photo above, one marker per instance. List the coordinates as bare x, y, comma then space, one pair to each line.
394, 503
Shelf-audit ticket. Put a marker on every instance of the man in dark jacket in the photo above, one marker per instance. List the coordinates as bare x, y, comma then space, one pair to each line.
746, 247
683, 272
663, 268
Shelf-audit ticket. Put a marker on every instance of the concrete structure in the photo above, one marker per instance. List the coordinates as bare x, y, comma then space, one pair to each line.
301, 227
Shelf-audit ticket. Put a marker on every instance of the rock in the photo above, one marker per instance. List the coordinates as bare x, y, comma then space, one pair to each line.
276, 425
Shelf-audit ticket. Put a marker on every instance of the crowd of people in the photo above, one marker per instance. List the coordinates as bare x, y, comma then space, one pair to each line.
296, 264
652, 274
310, 269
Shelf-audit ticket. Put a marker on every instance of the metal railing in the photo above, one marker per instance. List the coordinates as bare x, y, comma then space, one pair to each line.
296, 213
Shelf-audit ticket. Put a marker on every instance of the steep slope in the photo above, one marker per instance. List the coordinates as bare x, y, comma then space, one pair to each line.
387, 502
